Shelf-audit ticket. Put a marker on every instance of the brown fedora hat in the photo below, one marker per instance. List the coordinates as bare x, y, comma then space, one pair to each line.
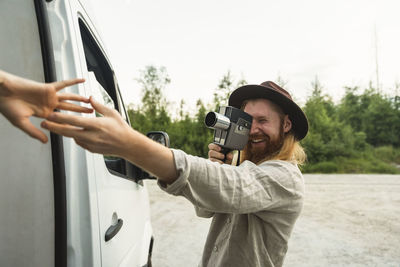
279, 96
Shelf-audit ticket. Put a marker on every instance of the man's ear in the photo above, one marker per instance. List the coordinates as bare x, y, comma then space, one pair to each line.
287, 124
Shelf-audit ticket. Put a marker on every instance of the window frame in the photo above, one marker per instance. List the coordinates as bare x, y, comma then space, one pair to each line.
97, 62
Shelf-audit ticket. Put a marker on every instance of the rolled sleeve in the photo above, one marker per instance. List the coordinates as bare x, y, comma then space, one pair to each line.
183, 172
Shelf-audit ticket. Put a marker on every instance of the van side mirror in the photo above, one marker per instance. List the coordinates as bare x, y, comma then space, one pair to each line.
158, 136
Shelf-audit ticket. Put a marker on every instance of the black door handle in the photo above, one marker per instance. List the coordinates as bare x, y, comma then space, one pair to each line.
113, 230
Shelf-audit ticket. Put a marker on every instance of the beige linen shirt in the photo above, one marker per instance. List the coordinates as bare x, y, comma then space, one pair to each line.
254, 207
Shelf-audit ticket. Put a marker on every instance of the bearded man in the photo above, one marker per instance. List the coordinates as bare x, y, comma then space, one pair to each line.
267, 194
253, 205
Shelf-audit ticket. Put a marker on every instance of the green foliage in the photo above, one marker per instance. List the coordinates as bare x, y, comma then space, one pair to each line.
372, 113
190, 134
328, 137
224, 89
152, 114
348, 137
153, 81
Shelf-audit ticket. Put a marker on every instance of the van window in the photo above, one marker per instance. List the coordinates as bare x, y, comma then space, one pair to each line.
105, 89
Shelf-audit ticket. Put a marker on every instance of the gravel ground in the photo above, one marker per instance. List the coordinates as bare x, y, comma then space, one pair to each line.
347, 220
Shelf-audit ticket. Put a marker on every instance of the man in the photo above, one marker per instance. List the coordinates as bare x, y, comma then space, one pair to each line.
22, 98
254, 205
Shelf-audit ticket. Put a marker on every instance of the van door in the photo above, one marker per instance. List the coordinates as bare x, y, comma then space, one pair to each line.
123, 205
27, 187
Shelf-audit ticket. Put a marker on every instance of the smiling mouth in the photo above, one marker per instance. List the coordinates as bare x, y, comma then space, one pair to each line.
255, 141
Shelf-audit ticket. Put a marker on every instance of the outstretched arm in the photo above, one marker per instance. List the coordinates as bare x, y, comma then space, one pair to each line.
21, 98
111, 135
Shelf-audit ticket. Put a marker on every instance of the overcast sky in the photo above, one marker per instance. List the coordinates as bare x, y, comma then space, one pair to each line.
199, 41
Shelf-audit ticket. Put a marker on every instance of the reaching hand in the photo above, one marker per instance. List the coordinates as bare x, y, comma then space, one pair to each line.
21, 98
111, 135
104, 135
214, 154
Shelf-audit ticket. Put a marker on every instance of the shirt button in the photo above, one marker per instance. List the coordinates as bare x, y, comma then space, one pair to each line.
215, 248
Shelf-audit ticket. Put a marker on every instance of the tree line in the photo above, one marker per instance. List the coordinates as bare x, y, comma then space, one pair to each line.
360, 134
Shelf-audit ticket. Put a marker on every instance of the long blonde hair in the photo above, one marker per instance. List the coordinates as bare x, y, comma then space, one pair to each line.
291, 150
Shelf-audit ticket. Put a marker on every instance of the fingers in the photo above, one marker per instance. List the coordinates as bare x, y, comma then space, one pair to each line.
62, 84
73, 120
73, 107
31, 130
101, 108
72, 97
62, 97
219, 157
61, 129
213, 146
82, 137
229, 158
215, 155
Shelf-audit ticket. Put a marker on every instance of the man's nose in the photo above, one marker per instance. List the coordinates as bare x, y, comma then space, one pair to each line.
254, 128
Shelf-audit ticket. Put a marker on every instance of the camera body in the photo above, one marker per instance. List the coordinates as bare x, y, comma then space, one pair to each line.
231, 127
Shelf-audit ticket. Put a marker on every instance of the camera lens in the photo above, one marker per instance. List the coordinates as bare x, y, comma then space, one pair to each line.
216, 120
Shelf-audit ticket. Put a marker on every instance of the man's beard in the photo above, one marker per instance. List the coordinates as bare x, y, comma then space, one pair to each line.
271, 148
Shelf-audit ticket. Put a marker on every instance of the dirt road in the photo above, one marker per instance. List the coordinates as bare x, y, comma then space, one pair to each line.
347, 220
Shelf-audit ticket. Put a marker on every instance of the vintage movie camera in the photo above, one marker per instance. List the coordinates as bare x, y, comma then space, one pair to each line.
231, 128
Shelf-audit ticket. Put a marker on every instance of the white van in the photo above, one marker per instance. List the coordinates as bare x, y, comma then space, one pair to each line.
59, 204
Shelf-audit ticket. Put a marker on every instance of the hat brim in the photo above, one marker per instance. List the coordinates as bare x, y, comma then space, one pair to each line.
296, 115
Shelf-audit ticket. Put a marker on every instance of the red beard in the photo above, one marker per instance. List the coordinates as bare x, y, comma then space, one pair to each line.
271, 148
